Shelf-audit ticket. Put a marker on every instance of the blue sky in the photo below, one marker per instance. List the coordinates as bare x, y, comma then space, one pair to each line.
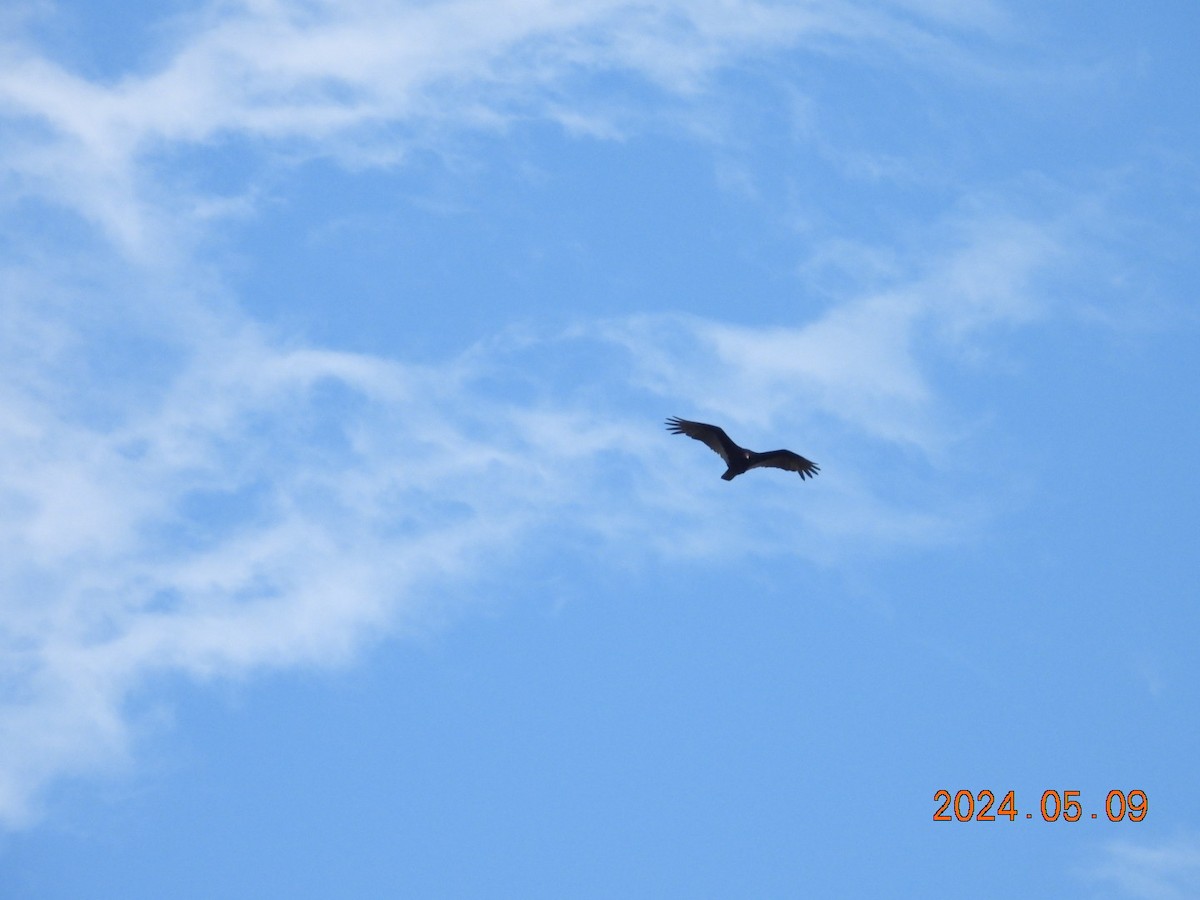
344, 551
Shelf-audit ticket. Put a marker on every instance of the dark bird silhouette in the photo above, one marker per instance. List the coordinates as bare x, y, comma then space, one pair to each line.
739, 459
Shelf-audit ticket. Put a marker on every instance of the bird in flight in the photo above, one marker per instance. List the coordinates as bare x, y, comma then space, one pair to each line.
739, 459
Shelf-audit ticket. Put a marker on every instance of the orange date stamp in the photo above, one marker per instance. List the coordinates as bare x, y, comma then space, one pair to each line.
976, 806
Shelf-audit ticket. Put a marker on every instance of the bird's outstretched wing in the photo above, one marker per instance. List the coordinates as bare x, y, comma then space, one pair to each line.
711, 435
785, 459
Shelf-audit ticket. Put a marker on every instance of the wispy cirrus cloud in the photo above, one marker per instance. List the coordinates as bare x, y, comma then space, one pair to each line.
241, 499
863, 362
1169, 870
254, 501
365, 82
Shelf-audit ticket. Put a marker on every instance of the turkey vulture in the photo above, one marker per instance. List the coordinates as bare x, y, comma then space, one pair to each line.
739, 459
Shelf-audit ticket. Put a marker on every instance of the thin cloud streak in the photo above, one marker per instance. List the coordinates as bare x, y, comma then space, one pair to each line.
268, 504
1166, 871
240, 501
860, 362
364, 81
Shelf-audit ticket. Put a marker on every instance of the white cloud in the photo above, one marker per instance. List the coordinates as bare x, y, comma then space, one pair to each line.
1165, 871
255, 502
238, 500
861, 362
362, 80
